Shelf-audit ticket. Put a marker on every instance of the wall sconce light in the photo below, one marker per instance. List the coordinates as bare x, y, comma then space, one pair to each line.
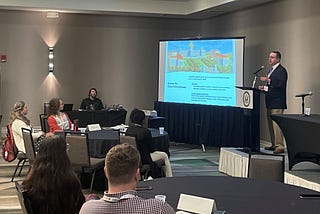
51, 60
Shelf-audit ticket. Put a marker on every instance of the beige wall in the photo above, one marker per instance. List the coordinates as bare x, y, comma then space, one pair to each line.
119, 55
291, 26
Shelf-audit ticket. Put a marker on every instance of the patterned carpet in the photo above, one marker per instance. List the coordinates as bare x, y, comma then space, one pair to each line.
192, 160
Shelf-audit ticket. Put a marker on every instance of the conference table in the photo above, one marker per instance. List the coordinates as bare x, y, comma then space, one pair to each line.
302, 134
236, 195
106, 118
101, 141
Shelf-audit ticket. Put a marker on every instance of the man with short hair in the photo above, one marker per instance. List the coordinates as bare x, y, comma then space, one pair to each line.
122, 172
275, 87
92, 102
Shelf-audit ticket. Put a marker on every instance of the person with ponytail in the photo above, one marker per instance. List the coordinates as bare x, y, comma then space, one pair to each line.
18, 120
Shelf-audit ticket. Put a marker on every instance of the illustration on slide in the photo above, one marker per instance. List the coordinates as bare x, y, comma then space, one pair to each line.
199, 57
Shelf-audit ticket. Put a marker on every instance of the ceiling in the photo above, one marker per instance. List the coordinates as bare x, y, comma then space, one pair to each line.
188, 9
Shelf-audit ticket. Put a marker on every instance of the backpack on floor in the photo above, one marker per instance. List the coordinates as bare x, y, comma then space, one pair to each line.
9, 150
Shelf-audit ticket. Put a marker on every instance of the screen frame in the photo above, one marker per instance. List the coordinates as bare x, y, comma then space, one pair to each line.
243, 38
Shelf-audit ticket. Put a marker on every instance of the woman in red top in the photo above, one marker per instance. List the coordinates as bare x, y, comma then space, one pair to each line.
57, 120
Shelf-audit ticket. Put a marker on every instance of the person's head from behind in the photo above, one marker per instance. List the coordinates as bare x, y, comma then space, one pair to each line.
55, 106
50, 166
274, 57
19, 110
137, 116
93, 92
122, 165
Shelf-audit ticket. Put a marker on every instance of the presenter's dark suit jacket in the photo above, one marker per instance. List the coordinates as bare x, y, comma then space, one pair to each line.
277, 89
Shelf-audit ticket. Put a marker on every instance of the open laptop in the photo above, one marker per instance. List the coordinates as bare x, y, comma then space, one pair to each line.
67, 107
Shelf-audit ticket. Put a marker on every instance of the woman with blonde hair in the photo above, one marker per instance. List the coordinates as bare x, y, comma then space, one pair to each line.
57, 120
18, 120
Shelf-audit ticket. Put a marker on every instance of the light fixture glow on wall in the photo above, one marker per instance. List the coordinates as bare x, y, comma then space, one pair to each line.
51, 60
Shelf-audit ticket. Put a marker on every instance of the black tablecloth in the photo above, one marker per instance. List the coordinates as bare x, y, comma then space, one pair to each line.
104, 118
212, 125
302, 134
101, 141
236, 195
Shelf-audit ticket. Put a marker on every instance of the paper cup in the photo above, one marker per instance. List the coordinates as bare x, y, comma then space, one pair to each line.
161, 130
307, 111
160, 197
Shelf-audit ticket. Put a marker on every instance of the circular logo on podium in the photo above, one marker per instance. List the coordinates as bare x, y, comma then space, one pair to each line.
246, 99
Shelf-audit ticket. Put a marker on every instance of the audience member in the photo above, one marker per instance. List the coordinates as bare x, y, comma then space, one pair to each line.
122, 172
51, 184
144, 142
57, 120
92, 102
18, 120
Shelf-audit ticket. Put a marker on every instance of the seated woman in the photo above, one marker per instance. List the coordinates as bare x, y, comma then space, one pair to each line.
51, 184
57, 120
19, 120
144, 142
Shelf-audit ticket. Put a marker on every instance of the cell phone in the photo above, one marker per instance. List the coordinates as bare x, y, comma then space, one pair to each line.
143, 188
310, 196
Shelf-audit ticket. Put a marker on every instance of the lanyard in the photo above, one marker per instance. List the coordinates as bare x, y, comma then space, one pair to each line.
115, 199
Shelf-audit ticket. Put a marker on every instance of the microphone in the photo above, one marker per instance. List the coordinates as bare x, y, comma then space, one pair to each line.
304, 95
262, 67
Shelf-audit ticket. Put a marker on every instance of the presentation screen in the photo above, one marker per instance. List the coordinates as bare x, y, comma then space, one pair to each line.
201, 71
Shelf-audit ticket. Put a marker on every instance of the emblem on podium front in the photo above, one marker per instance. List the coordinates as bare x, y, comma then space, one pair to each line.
246, 99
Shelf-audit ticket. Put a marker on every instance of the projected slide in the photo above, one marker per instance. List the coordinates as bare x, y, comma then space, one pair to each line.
200, 71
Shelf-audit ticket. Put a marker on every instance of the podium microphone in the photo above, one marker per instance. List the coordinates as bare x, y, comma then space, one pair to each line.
262, 67
304, 95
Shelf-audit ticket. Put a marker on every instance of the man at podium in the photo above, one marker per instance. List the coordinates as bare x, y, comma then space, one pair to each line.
275, 98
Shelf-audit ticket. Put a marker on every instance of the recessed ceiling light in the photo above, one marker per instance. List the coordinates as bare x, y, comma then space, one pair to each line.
52, 14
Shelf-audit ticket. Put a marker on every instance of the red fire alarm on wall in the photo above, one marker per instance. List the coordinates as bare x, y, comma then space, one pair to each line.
3, 58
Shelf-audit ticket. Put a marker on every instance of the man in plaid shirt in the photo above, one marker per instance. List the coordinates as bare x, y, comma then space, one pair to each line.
122, 172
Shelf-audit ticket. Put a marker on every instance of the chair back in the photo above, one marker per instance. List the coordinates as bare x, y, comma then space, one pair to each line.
131, 140
77, 149
28, 144
44, 123
23, 199
266, 167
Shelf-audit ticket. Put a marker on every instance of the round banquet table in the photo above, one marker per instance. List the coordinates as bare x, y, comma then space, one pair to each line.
101, 141
236, 195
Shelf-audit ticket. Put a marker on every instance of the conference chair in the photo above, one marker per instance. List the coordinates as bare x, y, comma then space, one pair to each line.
44, 123
29, 145
266, 167
30, 152
78, 152
145, 169
22, 159
24, 200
